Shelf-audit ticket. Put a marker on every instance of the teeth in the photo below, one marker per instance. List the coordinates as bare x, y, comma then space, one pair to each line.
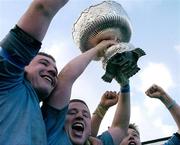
78, 126
132, 143
48, 78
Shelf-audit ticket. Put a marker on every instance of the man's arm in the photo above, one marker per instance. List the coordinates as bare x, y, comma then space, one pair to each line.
37, 18
23, 41
61, 94
157, 92
108, 100
119, 127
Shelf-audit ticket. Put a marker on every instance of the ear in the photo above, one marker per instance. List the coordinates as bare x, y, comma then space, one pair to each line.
26, 68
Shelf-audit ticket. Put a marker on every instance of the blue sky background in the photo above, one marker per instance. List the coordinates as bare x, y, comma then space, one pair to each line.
156, 29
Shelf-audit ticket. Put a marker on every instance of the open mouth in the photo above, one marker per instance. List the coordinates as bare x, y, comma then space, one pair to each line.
131, 143
78, 129
49, 79
78, 126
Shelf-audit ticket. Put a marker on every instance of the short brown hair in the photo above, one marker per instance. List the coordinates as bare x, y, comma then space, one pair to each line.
78, 100
47, 55
134, 127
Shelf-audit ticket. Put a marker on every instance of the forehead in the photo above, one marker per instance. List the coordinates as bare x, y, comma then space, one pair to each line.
78, 106
38, 58
132, 131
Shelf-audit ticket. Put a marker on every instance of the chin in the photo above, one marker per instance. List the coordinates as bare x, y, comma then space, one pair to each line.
42, 94
78, 142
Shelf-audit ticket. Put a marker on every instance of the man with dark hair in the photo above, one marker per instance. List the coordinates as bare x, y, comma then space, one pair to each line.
56, 107
134, 126
157, 92
25, 77
133, 136
70, 123
120, 118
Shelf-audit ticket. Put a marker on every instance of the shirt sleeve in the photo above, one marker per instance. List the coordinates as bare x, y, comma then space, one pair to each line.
106, 138
17, 49
174, 140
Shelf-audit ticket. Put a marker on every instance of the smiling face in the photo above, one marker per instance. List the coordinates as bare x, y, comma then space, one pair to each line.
42, 74
133, 138
78, 123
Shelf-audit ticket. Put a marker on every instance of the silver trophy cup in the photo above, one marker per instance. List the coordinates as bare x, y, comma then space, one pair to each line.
96, 23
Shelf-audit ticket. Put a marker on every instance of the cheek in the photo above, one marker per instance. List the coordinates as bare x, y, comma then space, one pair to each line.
31, 69
89, 127
66, 125
68, 120
125, 140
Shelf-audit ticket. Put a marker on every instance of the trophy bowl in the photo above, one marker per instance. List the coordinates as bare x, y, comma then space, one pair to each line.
97, 18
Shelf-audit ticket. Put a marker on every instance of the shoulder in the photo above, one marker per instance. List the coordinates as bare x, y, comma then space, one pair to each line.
106, 138
175, 139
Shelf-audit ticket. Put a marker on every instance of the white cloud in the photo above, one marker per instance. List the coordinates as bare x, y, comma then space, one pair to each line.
60, 51
144, 122
151, 125
136, 114
177, 48
164, 128
156, 73
148, 118
151, 105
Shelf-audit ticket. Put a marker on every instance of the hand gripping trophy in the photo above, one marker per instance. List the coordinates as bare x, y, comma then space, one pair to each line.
97, 23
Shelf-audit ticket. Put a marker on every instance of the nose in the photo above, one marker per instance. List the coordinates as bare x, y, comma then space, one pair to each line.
131, 137
52, 73
79, 116
52, 70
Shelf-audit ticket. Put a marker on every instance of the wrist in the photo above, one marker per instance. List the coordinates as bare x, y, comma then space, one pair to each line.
125, 89
103, 106
100, 111
171, 105
167, 101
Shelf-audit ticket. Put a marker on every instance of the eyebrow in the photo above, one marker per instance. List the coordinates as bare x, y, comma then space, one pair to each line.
74, 109
135, 132
43, 59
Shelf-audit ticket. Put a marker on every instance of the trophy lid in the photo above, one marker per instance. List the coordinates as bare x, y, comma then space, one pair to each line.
108, 14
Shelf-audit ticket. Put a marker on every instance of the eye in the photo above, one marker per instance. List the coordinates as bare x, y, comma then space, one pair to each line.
44, 63
71, 112
135, 135
53, 73
86, 115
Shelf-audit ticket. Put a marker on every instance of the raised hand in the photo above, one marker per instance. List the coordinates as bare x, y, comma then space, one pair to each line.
155, 91
109, 99
103, 46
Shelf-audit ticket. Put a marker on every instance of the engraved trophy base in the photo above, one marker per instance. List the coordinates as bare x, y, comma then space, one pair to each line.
120, 62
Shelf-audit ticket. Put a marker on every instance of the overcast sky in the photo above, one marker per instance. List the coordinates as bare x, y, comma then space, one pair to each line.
156, 29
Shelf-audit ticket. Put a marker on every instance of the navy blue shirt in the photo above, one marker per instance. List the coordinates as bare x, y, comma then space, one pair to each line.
174, 140
21, 121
